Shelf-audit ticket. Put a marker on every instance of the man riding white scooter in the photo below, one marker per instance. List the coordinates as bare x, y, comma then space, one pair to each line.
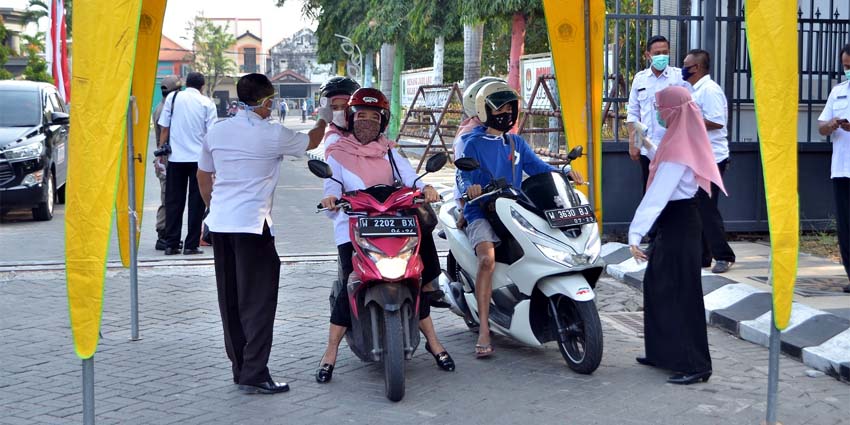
500, 155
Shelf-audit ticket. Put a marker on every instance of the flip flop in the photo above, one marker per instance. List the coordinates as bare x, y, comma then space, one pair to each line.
483, 351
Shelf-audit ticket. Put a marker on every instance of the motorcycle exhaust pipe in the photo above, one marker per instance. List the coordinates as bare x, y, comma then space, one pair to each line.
454, 293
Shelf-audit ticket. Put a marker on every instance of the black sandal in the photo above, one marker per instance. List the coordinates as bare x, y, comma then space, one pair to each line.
444, 360
325, 373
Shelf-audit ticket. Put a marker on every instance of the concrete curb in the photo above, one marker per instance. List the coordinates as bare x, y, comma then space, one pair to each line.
819, 339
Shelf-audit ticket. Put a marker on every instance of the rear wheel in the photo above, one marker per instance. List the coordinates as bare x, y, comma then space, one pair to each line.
581, 342
44, 210
393, 356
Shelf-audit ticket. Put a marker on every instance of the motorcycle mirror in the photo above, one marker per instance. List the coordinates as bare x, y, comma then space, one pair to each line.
467, 164
320, 169
436, 162
575, 153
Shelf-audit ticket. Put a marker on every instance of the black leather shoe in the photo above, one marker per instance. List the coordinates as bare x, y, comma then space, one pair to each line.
325, 373
268, 387
847, 289
645, 361
192, 251
722, 266
436, 299
160, 245
444, 360
689, 378
172, 251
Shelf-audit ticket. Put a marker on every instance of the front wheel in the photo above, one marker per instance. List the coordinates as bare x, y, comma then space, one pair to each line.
44, 210
393, 356
580, 339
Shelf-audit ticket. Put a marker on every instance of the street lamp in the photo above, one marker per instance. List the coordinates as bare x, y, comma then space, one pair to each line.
355, 58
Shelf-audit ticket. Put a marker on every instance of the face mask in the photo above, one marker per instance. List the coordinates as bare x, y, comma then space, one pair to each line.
366, 130
686, 73
847, 73
339, 119
660, 120
660, 62
501, 122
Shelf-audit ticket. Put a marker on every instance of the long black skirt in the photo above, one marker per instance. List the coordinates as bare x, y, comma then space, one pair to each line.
674, 313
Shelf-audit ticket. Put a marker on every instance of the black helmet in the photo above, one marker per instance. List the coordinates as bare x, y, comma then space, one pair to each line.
339, 86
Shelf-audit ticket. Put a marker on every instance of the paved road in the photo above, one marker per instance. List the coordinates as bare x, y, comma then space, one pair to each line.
178, 372
299, 229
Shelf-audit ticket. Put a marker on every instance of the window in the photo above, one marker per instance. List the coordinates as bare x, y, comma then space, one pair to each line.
250, 59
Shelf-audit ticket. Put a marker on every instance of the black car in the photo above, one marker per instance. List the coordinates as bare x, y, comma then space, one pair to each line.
33, 147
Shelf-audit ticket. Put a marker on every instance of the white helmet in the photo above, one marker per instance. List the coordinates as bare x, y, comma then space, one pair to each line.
471, 93
493, 96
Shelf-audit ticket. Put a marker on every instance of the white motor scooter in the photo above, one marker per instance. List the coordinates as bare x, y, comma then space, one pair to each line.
547, 264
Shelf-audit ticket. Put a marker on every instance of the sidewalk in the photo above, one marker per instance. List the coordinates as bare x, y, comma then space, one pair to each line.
178, 372
739, 302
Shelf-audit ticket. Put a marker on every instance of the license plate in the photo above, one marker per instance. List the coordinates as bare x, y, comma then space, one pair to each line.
565, 217
387, 226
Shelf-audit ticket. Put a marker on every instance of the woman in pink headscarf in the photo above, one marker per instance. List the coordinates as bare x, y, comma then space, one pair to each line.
675, 335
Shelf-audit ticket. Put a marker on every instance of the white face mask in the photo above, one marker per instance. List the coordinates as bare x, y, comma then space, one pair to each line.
339, 119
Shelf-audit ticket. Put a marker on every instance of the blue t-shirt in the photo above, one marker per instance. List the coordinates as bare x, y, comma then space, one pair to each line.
496, 159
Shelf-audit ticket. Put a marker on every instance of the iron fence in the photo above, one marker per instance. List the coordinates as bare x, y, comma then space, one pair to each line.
718, 26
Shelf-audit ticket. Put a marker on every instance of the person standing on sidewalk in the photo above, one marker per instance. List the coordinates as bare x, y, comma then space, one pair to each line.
244, 154
642, 98
186, 118
834, 122
675, 334
169, 84
712, 101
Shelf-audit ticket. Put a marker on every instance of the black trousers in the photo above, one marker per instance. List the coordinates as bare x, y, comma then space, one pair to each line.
179, 176
247, 275
674, 314
644, 171
714, 243
341, 312
841, 187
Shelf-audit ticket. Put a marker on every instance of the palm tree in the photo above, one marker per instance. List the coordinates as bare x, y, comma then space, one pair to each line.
37, 9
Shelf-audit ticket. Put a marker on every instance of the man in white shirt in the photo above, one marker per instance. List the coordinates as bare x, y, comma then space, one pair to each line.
185, 119
656, 77
244, 154
712, 101
835, 123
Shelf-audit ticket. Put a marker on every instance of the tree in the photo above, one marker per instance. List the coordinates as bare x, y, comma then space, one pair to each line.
36, 69
4, 53
520, 12
435, 20
210, 43
37, 9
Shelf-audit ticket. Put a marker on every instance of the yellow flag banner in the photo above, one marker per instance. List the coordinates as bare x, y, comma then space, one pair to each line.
144, 80
772, 27
103, 70
567, 38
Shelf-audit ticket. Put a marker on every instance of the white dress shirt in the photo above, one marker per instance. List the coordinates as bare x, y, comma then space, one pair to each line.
838, 106
712, 101
642, 99
245, 153
354, 182
195, 114
673, 181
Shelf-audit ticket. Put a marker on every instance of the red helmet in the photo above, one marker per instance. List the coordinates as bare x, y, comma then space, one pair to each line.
369, 99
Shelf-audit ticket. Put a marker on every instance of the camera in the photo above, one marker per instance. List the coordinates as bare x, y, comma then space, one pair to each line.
163, 150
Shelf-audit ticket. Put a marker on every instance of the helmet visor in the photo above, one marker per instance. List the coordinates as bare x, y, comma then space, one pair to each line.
499, 99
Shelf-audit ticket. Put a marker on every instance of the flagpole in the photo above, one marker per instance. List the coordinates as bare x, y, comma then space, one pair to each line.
589, 105
773, 371
131, 194
88, 391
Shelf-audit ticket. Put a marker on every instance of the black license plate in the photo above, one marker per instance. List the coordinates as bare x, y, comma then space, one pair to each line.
565, 217
387, 226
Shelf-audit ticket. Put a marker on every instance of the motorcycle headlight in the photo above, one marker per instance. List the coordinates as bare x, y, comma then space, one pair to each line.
570, 259
28, 151
389, 267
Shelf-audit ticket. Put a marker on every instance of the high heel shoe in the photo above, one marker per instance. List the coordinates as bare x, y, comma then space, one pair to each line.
689, 378
444, 360
325, 373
